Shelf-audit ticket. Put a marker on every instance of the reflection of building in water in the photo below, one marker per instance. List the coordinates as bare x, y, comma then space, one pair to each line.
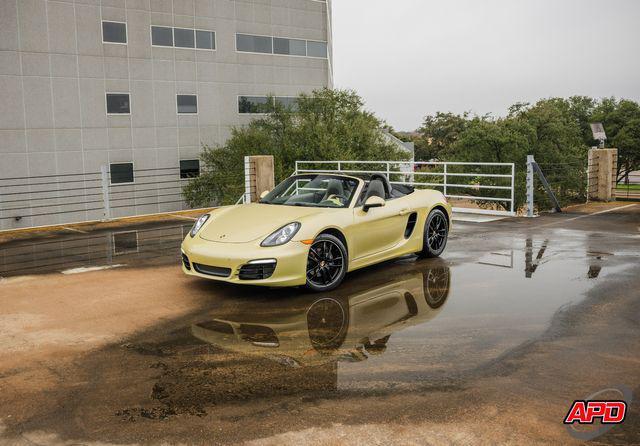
349, 324
146, 245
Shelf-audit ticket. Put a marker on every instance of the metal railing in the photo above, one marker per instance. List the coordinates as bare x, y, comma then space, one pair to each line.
629, 187
460, 181
34, 201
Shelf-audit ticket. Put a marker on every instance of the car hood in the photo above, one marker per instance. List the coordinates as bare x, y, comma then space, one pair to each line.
248, 222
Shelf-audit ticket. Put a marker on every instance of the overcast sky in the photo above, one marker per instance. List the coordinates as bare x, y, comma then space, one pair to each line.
408, 58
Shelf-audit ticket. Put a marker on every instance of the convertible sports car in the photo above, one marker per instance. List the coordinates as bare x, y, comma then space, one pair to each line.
312, 229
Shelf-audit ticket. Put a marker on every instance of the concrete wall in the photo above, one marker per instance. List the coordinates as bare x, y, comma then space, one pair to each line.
603, 164
55, 71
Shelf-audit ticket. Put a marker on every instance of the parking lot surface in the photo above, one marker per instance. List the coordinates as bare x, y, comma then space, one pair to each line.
103, 340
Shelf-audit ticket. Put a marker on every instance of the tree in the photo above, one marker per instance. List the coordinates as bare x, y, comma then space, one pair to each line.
627, 140
324, 125
439, 132
582, 108
548, 130
621, 121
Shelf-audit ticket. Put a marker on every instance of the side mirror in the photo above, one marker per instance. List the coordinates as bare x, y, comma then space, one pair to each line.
373, 202
264, 194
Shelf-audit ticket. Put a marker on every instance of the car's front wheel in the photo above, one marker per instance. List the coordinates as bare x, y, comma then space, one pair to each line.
326, 263
436, 232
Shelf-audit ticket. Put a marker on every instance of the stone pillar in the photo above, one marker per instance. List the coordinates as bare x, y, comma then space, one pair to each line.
261, 175
603, 164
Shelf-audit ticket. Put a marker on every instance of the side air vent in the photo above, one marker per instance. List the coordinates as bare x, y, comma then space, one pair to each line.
411, 224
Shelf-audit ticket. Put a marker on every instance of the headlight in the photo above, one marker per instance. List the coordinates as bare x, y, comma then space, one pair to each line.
282, 235
199, 223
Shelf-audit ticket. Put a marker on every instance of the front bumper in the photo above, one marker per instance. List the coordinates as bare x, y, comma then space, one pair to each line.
223, 261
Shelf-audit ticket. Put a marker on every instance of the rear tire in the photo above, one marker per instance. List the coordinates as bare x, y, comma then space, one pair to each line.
436, 232
326, 263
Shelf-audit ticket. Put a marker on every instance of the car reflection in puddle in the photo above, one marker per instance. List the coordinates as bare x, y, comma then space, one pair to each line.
333, 327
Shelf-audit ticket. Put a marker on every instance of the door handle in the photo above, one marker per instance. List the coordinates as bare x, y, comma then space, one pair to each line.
404, 211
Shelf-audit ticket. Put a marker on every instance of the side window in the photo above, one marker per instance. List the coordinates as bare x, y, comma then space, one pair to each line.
254, 44
114, 32
189, 168
118, 104
316, 49
161, 36
184, 38
254, 104
291, 47
121, 173
205, 40
187, 103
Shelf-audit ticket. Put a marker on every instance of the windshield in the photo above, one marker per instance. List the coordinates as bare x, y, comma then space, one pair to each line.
313, 191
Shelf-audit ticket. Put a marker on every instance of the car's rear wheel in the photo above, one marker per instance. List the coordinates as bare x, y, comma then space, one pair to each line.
326, 263
436, 232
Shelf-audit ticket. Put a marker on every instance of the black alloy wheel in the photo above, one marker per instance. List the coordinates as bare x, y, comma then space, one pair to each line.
326, 263
436, 231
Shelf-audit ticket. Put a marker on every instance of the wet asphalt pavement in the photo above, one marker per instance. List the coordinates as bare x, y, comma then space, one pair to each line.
489, 344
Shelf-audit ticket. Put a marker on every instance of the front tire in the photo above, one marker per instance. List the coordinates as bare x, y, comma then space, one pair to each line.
326, 263
436, 232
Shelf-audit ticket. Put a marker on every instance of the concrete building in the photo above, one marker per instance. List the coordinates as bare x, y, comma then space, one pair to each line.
139, 86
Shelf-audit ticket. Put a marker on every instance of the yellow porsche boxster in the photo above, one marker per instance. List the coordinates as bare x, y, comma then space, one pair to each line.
312, 229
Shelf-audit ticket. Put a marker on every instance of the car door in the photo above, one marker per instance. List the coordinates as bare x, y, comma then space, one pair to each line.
379, 229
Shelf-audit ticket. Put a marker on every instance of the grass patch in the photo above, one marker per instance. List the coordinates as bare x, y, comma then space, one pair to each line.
628, 187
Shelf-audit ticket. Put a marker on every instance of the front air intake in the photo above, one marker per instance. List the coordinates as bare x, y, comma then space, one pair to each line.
212, 270
185, 261
257, 271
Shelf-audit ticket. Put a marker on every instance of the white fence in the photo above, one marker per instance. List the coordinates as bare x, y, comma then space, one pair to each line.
460, 181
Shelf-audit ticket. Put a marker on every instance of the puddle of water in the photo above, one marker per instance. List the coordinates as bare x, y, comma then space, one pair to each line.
405, 325
157, 245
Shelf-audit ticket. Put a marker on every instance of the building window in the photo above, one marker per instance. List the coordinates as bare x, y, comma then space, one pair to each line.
264, 104
254, 44
189, 168
161, 36
118, 104
291, 47
278, 45
205, 40
184, 38
187, 103
316, 49
254, 104
288, 102
114, 32
121, 173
